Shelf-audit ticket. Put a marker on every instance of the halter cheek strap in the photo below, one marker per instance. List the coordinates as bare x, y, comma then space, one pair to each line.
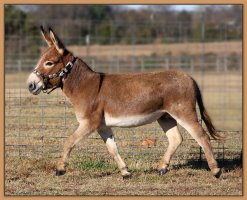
62, 74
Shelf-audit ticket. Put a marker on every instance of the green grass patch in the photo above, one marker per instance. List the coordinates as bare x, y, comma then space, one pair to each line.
92, 164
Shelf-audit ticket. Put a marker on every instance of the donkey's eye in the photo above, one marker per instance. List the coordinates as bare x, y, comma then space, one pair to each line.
49, 63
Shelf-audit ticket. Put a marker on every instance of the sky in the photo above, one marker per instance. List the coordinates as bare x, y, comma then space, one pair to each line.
176, 7
185, 7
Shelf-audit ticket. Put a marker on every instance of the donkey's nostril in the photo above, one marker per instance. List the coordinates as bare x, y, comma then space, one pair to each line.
31, 86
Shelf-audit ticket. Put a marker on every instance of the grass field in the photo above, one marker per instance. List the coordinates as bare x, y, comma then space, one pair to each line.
35, 129
125, 51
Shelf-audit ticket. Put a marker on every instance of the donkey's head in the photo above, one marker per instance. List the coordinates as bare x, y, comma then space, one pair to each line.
52, 66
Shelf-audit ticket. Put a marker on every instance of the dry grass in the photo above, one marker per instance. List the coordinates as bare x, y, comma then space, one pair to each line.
124, 51
97, 176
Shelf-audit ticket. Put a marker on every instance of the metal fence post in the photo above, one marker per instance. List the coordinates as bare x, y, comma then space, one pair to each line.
167, 63
118, 65
93, 64
142, 64
19, 65
217, 64
192, 66
225, 64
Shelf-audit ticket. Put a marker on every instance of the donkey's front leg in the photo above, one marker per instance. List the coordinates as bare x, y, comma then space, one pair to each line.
81, 132
107, 135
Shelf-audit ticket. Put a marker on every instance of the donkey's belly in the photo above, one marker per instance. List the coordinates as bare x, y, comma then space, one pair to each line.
132, 120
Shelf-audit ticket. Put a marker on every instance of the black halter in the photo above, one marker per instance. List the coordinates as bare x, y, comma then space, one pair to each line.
62, 74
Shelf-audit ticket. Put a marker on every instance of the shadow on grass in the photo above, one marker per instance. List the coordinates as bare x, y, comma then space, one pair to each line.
101, 168
227, 165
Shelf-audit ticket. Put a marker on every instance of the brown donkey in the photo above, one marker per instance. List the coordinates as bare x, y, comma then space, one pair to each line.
102, 101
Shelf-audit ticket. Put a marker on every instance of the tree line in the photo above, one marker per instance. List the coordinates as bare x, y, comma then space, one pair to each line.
114, 24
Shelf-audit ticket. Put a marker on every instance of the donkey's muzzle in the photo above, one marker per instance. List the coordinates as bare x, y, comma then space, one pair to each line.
33, 88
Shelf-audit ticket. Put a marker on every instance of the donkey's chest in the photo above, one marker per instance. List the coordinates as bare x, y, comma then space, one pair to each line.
132, 120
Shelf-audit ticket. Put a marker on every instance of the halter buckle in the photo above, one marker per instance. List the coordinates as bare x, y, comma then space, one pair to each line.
69, 65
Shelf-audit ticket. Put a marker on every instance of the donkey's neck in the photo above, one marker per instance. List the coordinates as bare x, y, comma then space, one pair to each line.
78, 77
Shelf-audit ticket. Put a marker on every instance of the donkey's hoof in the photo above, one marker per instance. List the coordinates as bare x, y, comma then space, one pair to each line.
60, 172
127, 176
218, 173
163, 171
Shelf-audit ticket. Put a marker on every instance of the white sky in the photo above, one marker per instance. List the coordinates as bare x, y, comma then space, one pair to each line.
176, 7
185, 7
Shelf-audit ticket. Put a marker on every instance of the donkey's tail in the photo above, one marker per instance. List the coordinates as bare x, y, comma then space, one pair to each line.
205, 116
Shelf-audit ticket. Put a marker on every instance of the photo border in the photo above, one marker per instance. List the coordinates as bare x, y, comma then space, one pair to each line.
2, 84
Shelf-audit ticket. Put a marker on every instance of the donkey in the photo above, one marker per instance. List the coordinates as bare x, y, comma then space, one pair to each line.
102, 101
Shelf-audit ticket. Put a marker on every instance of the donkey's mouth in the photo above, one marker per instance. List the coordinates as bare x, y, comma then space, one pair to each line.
34, 89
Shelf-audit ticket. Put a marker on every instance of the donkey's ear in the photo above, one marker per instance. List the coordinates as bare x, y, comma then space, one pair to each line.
46, 36
57, 42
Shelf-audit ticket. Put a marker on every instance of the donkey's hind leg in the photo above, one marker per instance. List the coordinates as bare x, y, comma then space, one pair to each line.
169, 126
192, 125
107, 135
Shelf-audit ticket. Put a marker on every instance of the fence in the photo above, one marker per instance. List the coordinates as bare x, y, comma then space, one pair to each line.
191, 64
37, 127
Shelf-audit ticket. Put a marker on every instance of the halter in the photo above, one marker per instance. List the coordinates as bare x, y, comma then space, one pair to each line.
62, 74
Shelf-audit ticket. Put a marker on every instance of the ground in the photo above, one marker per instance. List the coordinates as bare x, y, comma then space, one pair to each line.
87, 176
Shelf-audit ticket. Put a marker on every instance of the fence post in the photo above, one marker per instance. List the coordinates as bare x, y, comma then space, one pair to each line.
19, 65
217, 64
167, 63
87, 41
93, 64
118, 65
225, 64
142, 64
192, 66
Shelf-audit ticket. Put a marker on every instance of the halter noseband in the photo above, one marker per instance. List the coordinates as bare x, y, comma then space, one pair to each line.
62, 74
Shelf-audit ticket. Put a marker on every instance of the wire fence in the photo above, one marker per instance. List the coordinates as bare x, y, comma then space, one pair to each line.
37, 127
186, 63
